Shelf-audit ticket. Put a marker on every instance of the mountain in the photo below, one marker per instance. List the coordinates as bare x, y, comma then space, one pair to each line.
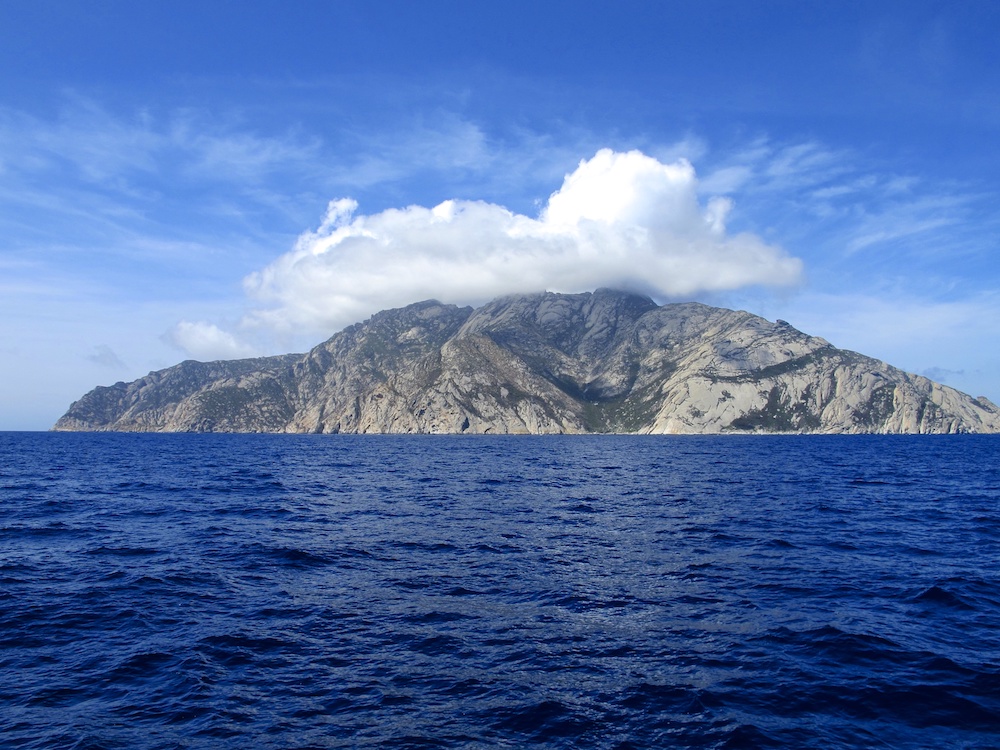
605, 361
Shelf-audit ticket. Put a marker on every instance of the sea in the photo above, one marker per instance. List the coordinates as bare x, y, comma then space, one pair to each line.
339, 591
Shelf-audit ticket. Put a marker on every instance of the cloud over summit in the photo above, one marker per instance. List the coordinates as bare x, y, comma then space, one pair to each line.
621, 220
207, 341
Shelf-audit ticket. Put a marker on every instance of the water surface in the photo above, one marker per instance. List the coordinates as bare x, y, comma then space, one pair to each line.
233, 591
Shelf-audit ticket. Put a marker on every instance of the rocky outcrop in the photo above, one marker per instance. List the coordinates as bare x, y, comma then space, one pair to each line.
545, 363
244, 395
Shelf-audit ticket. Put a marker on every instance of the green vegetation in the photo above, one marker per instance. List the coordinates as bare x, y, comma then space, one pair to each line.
244, 407
928, 412
877, 410
628, 413
775, 370
621, 409
779, 414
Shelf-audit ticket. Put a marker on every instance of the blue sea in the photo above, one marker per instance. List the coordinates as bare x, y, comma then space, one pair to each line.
335, 591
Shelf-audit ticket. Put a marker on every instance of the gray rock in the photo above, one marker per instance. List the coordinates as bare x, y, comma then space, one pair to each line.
545, 363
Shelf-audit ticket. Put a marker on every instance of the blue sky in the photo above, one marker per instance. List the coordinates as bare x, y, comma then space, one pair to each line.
215, 179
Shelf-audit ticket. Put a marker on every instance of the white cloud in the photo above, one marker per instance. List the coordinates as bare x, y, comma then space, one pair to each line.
206, 341
620, 219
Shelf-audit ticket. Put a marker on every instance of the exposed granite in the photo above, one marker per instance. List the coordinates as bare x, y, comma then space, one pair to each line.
544, 363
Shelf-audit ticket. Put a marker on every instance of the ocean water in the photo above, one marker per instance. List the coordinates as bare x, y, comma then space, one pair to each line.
253, 591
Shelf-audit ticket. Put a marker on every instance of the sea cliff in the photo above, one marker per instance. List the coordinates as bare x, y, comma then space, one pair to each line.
605, 361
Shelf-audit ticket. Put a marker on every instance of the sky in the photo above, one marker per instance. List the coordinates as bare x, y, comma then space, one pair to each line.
211, 180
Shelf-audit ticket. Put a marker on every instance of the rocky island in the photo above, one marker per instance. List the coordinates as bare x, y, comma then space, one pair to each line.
601, 362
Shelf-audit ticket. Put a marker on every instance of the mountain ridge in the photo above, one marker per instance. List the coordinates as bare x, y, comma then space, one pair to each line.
603, 361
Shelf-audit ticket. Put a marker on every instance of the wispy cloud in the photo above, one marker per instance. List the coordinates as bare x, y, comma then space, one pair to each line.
941, 374
796, 170
834, 204
105, 356
449, 143
87, 143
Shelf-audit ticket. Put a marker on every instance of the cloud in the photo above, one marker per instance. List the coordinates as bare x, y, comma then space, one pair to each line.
857, 219
452, 144
941, 374
800, 174
112, 149
915, 220
206, 341
105, 356
621, 220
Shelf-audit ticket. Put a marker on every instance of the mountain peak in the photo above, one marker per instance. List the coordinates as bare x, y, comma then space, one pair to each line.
602, 361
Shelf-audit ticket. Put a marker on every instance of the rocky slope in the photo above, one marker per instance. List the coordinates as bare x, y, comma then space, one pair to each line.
545, 363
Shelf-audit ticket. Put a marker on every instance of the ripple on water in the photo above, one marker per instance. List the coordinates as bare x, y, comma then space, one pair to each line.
349, 591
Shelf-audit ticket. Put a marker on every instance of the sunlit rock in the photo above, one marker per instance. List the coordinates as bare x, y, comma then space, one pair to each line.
545, 363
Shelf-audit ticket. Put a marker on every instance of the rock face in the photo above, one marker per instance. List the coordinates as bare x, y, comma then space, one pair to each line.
545, 363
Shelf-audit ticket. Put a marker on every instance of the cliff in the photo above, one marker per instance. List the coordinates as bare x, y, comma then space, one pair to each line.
545, 363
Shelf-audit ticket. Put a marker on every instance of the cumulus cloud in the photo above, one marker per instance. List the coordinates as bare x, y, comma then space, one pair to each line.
206, 341
621, 220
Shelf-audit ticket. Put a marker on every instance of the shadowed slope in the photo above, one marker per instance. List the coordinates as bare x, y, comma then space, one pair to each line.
545, 363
